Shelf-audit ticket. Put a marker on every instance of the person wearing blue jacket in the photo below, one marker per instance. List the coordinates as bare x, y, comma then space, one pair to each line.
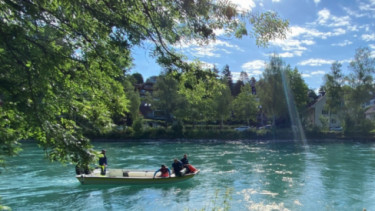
165, 172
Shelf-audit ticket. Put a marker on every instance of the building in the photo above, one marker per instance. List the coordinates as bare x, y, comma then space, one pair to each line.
317, 112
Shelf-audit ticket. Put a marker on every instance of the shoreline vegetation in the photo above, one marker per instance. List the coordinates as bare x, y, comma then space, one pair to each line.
203, 133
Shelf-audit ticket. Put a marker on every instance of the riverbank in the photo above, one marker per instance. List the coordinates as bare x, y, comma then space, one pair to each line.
201, 134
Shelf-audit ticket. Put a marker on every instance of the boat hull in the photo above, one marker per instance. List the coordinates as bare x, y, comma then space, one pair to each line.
123, 177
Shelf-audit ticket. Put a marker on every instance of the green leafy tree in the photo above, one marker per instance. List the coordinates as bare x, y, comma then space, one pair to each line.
222, 104
227, 76
138, 78
134, 101
199, 86
61, 61
245, 107
298, 87
237, 87
334, 92
244, 77
361, 90
166, 97
270, 90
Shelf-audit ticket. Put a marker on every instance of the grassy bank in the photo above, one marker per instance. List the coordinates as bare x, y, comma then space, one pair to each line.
226, 134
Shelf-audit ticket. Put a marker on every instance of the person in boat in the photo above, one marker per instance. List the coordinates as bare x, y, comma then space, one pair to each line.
102, 162
165, 172
189, 168
185, 163
177, 167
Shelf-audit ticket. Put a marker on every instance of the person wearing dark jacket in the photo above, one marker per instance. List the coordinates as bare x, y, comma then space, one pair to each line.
184, 160
177, 167
185, 163
102, 162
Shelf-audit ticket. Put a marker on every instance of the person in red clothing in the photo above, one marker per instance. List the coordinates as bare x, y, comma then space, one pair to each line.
165, 172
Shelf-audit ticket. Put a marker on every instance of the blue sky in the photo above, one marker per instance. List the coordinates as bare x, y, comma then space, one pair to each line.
321, 32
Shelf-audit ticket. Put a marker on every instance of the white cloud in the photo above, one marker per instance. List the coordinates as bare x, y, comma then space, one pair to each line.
244, 4
316, 1
367, 7
212, 49
368, 37
290, 54
353, 13
315, 62
313, 74
318, 72
343, 43
325, 18
372, 46
290, 44
275, 0
254, 68
205, 51
253, 65
345, 61
305, 75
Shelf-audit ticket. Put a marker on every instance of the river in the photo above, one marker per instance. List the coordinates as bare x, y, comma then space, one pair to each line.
239, 175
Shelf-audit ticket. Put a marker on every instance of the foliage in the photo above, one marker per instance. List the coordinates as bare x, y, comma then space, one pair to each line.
178, 128
222, 104
359, 91
298, 88
138, 78
227, 77
270, 90
325, 123
199, 87
245, 106
62, 62
165, 89
134, 101
272, 93
138, 126
333, 87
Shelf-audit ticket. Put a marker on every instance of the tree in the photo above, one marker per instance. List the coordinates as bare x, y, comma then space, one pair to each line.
138, 78
253, 85
270, 90
134, 101
298, 88
61, 61
361, 80
333, 87
199, 87
245, 106
237, 87
227, 76
279, 85
166, 97
244, 77
361, 90
222, 104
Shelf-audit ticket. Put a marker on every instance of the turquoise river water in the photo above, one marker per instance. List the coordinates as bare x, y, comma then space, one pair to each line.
238, 175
